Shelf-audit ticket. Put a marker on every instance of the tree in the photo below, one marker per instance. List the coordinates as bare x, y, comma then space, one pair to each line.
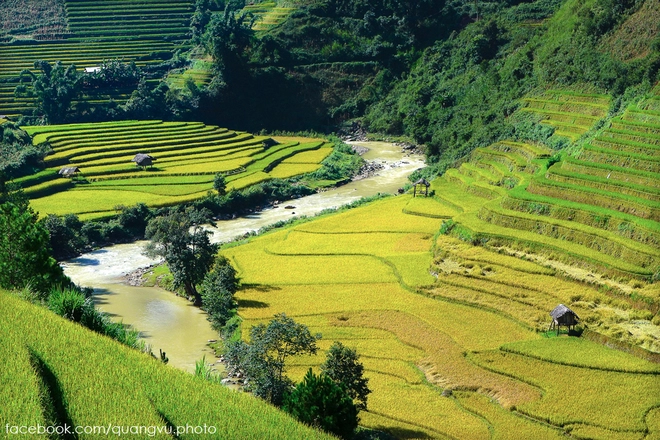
54, 89
25, 258
343, 366
186, 248
227, 37
217, 292
263, 360
66, 241
146, 102
320, 402
220, 184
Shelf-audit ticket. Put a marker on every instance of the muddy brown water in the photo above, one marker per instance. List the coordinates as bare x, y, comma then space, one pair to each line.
173, 324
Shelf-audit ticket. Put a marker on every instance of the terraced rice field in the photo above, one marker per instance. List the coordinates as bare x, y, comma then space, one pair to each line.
267, 14
126, 19
571, 114
430, 312
188, 155
144, 32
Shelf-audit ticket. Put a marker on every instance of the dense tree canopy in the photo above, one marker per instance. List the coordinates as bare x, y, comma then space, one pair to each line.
25, 259
186, 248
318, 401
263, 359
343, 366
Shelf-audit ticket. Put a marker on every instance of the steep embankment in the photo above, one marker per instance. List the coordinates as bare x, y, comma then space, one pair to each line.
56, 372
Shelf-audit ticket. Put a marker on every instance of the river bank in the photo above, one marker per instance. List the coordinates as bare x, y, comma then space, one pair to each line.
173, 324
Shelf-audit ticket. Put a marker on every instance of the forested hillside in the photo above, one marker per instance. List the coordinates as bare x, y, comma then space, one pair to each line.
444, 73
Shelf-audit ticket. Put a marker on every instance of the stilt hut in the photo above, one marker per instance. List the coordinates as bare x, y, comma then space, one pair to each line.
143, 160
69, 172
423, 185
562, 315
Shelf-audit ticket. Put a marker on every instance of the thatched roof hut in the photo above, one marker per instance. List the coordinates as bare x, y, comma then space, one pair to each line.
68, 171
562, 315
143, 160
424, 186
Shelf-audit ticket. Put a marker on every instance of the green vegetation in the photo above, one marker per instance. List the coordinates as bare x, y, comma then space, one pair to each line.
46, 355
181, 241
318, 401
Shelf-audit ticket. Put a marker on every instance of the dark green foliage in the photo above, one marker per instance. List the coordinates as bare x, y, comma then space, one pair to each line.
113, 73
463, 90
318, 401
135, 219
18, 157
66, 241
54, 88
227, 36
220, 184
147, 103
217, 291
262, 360
179, 238
343, 365
25, 258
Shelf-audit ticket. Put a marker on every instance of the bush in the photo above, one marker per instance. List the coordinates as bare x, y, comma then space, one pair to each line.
318, 401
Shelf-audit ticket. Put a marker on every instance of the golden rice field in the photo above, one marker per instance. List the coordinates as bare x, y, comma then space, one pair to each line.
430, 313
187, 156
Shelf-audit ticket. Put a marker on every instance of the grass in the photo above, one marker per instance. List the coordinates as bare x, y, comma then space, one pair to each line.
98, 381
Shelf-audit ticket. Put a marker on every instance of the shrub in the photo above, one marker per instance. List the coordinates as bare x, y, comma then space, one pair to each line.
318, 401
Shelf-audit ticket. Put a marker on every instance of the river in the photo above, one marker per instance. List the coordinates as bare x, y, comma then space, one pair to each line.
173, 324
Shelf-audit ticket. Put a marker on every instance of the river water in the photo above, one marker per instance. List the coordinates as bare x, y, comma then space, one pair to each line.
173, 324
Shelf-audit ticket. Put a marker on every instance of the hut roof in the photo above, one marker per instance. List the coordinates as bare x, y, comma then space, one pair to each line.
560, 311
143, 159
423, 182
67, 171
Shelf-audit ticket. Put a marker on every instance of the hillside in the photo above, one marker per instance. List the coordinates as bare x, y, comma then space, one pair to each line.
43, 384
452, 335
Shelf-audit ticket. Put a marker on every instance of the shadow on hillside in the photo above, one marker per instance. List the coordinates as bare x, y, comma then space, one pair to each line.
259, 287
389, 432
250, 304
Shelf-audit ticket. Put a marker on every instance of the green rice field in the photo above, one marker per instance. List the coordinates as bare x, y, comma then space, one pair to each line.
187, 157
45, 354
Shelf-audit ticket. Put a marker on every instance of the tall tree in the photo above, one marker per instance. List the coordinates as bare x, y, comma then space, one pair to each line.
343, 365
25, 258
318, 401
186, 248
227, 37
54, 88
217, 292
263, 360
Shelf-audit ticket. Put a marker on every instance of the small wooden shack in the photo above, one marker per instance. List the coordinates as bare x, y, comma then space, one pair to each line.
69, 172
143, 160
423, 186
562, 315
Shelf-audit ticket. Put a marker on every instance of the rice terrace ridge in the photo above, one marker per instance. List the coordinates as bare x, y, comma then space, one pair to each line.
509, 289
